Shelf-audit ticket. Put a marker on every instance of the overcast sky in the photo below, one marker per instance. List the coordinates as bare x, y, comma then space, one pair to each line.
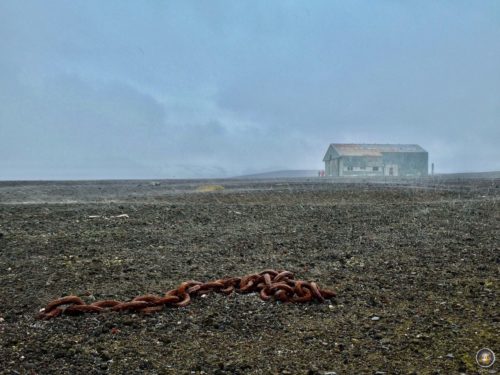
163, 89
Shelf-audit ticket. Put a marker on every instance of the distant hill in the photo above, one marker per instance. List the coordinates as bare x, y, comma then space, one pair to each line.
283, 174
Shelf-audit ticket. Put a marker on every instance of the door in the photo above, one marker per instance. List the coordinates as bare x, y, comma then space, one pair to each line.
391, 170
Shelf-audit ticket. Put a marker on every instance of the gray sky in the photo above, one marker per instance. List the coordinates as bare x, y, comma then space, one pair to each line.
157, 89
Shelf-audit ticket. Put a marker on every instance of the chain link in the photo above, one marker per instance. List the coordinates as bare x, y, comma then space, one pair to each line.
269, 284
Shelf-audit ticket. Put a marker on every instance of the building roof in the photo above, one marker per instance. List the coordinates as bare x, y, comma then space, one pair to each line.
365, 149
336, 150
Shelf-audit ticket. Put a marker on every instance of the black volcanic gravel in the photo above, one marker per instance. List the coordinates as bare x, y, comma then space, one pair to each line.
415, 267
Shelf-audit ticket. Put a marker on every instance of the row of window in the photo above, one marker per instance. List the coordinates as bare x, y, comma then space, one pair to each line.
375, 169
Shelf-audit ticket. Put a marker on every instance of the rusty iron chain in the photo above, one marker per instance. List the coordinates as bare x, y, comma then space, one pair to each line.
269, 284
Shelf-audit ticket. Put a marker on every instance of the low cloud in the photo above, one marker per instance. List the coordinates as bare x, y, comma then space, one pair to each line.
91, 90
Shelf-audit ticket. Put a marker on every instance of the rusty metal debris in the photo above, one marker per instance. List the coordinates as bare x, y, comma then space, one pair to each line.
270, 284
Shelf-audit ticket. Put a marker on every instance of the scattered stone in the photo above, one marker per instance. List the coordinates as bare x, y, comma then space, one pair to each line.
121, 216
375, 318
29, 366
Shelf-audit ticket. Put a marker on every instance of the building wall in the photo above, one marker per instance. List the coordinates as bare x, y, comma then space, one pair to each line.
409, 163
332, 167
362, 166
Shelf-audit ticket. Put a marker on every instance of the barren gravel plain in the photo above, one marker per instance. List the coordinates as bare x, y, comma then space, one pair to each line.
415, 265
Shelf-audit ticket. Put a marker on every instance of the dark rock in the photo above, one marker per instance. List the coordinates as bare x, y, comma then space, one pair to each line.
105, 355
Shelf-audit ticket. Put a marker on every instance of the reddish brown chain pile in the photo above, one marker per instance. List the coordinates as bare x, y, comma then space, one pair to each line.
279, 285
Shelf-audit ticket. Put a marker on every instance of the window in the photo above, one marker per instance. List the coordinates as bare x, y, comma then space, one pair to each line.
375, 169
362, 168
349, 168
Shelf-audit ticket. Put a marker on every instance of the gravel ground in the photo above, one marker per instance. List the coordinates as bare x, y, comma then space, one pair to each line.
415, 266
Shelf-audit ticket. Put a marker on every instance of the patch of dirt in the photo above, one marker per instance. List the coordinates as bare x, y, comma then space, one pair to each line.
415, 269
